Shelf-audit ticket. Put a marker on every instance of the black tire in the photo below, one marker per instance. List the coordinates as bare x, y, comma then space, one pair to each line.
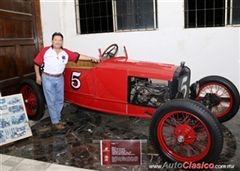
35, 110
231, 88
199, 111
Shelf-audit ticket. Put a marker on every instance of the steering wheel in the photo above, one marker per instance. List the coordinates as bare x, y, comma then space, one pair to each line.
110, 52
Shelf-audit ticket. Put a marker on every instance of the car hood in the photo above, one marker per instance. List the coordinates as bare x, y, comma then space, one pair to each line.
142, 68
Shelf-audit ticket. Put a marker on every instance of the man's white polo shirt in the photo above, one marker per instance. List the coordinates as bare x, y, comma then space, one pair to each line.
52, 62
55, 63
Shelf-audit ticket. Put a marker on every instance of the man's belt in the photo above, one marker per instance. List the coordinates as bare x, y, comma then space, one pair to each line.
53, 75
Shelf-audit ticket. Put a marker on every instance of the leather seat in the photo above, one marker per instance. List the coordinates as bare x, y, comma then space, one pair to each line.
83, 64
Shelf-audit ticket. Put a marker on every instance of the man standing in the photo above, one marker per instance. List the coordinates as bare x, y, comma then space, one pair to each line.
52, 60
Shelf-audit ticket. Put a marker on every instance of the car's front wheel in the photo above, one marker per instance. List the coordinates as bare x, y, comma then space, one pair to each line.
219, 95
185, 131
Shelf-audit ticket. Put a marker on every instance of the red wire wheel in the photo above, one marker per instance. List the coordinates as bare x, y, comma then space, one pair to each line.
184, 130
184, 136
33, 99
219, 95
30, 100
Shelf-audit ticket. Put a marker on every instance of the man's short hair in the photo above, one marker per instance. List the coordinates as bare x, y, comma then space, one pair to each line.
57, 34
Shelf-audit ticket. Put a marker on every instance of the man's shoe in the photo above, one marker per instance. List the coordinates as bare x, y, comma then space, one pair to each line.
63, 123
58, 126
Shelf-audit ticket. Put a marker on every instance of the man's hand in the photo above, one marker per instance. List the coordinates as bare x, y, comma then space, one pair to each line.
88, 58
38, 80
94, 60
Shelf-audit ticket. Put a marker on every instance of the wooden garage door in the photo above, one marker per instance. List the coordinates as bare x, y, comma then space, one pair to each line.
20, 40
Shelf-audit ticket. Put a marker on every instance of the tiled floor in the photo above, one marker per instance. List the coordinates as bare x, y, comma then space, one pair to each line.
11, 163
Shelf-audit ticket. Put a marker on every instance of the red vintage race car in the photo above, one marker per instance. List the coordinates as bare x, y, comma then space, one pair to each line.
184, 124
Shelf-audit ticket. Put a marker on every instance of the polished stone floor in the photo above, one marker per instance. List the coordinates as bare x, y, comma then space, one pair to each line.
12, 163
75, 146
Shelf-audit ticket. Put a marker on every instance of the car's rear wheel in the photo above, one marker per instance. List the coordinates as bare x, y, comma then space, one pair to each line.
185, 131
33, 99
219, 95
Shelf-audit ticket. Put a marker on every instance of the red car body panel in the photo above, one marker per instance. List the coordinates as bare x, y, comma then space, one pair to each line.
105, 87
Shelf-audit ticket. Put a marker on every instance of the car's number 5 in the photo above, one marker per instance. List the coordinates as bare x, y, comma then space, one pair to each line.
75, 81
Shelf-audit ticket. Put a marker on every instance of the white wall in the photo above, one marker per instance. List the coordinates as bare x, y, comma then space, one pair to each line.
206, 51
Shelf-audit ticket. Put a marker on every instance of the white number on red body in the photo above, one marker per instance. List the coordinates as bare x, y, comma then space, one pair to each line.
75, 81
